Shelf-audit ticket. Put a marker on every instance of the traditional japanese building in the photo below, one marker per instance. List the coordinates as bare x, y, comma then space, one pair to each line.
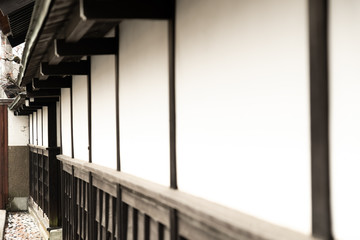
192, 119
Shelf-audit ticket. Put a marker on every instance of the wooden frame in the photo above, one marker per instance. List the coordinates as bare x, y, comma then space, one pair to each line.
4, 188
319, 100
65, 68
85, 47
118, 10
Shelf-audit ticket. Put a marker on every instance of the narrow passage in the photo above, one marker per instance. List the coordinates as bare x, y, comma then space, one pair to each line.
21, 225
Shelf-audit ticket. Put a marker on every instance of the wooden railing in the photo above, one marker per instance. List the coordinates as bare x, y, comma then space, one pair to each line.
44, 184
100, 203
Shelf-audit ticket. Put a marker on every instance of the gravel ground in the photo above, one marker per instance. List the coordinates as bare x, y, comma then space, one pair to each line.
21, 225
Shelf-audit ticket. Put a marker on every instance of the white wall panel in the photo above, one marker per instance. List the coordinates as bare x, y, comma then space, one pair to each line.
39, 127
18, 129
45, 127
80, 116
103, 110
65, 121
243, 106
144, 114
31, 129
345, 117
58, 124
35, 131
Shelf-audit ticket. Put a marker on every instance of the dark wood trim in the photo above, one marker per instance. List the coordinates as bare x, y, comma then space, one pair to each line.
53, 82
172, 104
4, 165
174, 233
42, 126
72, 122
89, 111
65, 68
44, 100
48, 93
77, 27
52, 129
119, 10
319, 104
135, 221
85, 47
117, 100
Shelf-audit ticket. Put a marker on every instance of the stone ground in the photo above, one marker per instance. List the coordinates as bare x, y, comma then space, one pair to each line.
21, 225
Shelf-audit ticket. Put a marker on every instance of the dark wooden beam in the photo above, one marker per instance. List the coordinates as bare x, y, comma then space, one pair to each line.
30, 108
43, 93
23, 112
39, 104
53, 82
117, 10
53, 58
65, 68
77, 27
85, 47
44, 100
319, 105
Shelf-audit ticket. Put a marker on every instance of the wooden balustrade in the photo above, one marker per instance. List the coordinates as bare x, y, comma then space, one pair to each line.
101, 203
44, 184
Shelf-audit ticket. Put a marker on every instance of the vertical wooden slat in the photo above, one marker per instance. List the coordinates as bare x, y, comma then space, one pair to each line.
62, 196
72, 122
321, 213
160, 231
4, 189
172, 106
117, 99
146, 227
42, 181
89, 111
119, 214
173, 225
108, 210
73, 204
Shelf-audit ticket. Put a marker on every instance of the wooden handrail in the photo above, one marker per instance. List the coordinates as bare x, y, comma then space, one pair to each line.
216, 220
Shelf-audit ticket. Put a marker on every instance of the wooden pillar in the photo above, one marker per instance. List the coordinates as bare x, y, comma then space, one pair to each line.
319, 100
4, 186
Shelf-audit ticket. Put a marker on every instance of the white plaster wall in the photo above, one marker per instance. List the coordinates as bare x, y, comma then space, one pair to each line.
30, 129
243, 106
65, 121
103, 110
58, 124
39, 127
80, 118
18, 130
45, 127
35, 128
144, 114
345, 117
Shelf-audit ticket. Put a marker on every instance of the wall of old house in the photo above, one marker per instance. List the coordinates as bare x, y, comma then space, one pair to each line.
242, 108
18, 157
65, 106
144, 108
80, 117
344, 116
103, 128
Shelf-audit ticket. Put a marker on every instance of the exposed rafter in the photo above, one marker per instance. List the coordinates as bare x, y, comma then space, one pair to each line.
85, 47
65, 68
52, 82
30, 93
118, 10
